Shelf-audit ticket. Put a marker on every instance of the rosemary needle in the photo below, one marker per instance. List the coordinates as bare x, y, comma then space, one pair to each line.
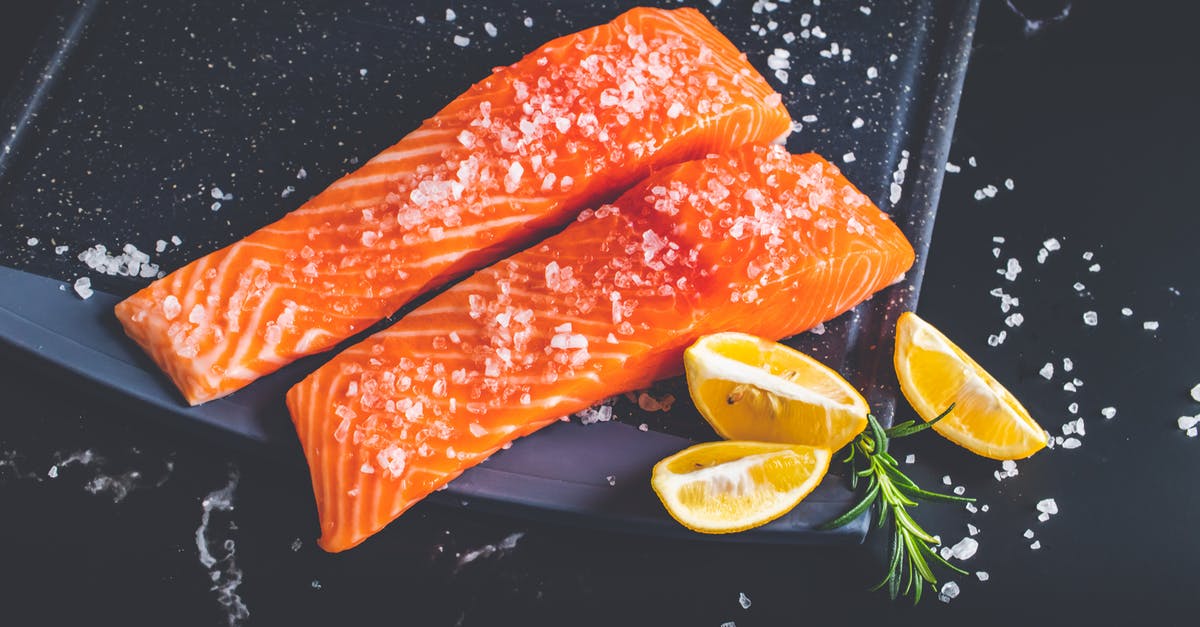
912, 548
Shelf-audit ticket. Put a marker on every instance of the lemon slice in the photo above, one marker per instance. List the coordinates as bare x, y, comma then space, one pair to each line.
933, 373
753, 389
723, 487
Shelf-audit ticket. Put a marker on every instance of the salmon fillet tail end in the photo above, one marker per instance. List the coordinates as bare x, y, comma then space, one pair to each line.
753, 240
511, 160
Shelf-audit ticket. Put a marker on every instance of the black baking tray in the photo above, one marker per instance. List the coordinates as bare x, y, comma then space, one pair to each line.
130, 113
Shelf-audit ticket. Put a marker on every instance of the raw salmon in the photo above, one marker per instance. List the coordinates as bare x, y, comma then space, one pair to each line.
755, 240
516, 156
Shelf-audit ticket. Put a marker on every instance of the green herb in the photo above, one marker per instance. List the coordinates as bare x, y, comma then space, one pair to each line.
912, 547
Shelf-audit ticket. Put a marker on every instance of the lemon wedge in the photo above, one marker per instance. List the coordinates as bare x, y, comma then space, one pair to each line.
724, 487
753, 389
934, 372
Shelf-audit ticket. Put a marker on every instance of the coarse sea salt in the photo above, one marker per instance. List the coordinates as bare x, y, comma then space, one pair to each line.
1037, 544
83, 287
848, 157
1195, 392
1091, 318
972, 529
1049, 506
948, 592
1071, 443
1187, 422
450, 15
1150, 325
1109, 412
743, 600
982, 575
910, 459
1047, 371
1028, 534
1125, 311
490, 29
965, 548
857, 123
461, 41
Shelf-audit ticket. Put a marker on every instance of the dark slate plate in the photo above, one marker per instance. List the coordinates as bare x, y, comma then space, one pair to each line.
132, 112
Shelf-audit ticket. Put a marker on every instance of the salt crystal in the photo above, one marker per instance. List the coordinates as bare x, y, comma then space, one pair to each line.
1014, 320
1052, 244
848, 157
1068, 365
528, 22
946, 552
1095, 267
953, 169
865, 10
781, 76
1196, 393
216, 206
175, 240
1079, 287
1191, 433
743, 600
818, 330
1073, 408
58, 250
490, 29
362, 71
217, 193
461, 41
948, 592
971, 161
1043, 517
1042, 255
998, 239
1047, 371
83, 287
857, 123
872, 72
1150, 325
1012, 269
965, 548
1049, 506
1187, 422
611, 479
1037, 544
910, 459
1070, 443
1109, 412
983, 508
971, 508
788, 37
33, 241
1125, 311
450, 15
1090, 318
972, 529
997, 339
53, 472
946, 480
808, 79
982, 575
959, 490
1008, 183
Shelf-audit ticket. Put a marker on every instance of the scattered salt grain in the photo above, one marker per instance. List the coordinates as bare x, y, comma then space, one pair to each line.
611, 479
998, 239
1011, 270
1125, 311
450, 15
818, 330
959, 490
857, 123
643, 427
1028, 534
1014, 320
83, 287
58, 250
1095, 267
1037, 544
175, 240
1087, 255
953, 169
971, 162
1073, 408
528, 22
301, 174
1048, 506
743, 600
1068, 365
1008, 184
848, 157
983, 508
972, 529
781, 76
1047, 371
461, 41
1042, 255
1191, 433
216, 206
982, 575
490, 29
808, 79
872, 73
948, 592
1187, 422
1109, 412
910, 459
1150, 325
33, 241
1079, 287
1196, 393
971, 508
965, 548
1052, 244
1070, 443
287, 191
997, 339
1090, 318
946, 480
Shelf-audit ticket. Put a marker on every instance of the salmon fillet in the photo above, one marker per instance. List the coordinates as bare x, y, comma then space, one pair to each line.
519, 154
755, 240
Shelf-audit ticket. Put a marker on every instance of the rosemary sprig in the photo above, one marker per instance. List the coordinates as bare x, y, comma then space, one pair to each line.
912, 547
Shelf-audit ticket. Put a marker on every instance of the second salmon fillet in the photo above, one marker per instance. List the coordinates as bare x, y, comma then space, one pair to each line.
756, 240
516, 156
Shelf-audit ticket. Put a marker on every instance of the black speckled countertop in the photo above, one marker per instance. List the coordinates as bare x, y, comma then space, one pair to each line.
1077, 125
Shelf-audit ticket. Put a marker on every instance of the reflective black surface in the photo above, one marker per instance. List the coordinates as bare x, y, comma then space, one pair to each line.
1092, 118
